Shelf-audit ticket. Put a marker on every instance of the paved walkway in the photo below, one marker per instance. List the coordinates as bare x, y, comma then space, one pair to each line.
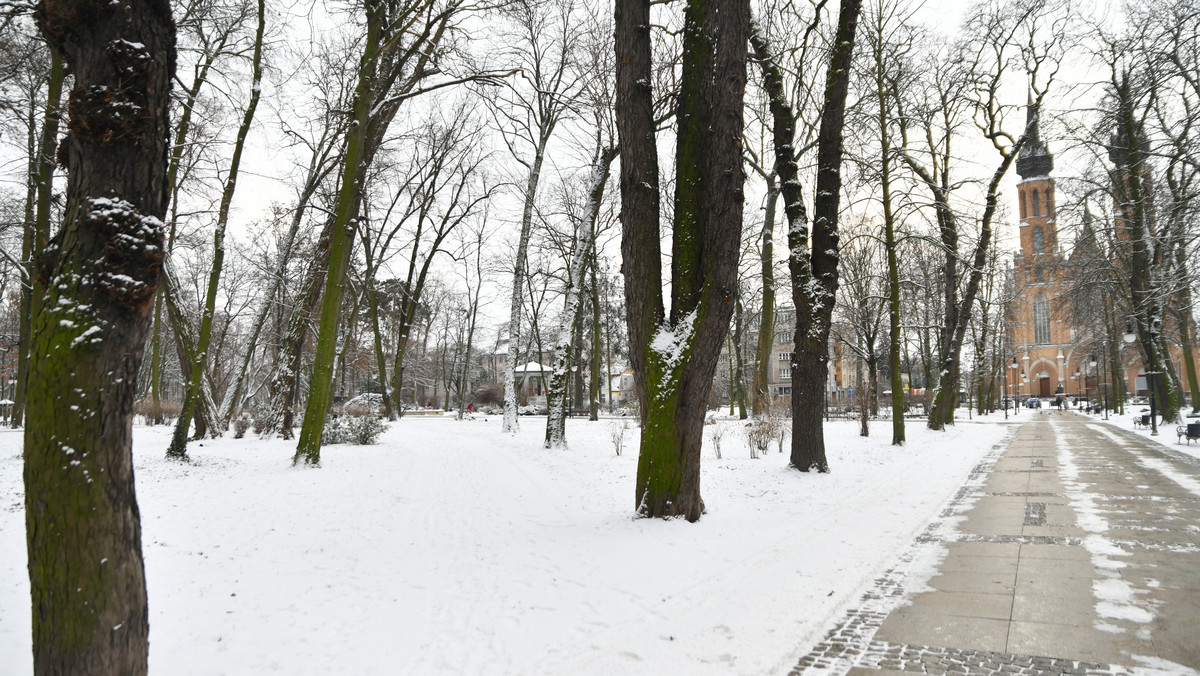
1074, 548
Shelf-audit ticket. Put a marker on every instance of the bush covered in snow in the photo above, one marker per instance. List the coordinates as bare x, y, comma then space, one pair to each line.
370, 403
365, 430
349, 429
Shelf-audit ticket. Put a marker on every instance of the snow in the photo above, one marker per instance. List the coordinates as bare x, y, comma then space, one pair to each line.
450, 548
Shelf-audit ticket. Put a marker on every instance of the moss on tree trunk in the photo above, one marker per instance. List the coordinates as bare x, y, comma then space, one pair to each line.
99, 274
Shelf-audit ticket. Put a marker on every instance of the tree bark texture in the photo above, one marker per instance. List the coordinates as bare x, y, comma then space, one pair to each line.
47, 145
760, 397
99, 274
556, 392
674, 362
514, 317
813, 262
320, 391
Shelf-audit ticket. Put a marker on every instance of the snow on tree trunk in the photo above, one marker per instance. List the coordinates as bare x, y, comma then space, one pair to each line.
556, 392
514, 315
812, 261
99, 273
674, 358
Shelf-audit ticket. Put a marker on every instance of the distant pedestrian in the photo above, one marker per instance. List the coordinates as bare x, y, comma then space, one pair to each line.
470, 407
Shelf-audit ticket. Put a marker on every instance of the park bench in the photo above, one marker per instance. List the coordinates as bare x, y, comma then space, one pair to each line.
1141, 421
1189, 431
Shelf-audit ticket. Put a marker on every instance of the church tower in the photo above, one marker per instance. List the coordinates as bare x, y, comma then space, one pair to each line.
1039, 337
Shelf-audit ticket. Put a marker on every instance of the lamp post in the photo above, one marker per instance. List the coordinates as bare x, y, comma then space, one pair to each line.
1091, 362
1076, 387
1129, 337
1004, 384
1025, 373
1017, 384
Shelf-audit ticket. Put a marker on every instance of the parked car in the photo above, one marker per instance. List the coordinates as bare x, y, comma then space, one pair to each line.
1033, 403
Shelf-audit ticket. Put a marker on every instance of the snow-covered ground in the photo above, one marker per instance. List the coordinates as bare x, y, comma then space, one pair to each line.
451, 548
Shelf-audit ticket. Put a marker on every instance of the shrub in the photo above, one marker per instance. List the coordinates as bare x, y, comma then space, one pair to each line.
616, 432
365, 430
347, 429
335, 431
364, 404
716, 434
489, 393
760, 433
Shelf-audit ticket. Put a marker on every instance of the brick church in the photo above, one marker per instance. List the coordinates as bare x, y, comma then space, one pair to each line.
1047, 355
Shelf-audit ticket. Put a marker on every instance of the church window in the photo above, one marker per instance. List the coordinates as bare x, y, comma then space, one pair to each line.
1041, 320
1037, 207
1022, 205
1039, 275
1039, 240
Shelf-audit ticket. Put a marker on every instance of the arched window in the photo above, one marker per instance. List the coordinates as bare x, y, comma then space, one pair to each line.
1037, 207
1041, 320
1022, 205
1039, 240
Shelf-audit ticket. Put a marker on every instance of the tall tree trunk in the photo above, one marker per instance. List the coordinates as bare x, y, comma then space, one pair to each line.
178, 446
739, 355
958, 315
99, 274
1183, 317
814, 264
760, 402
556, 392
32, 293
320, 392
514, 316
595, 385
673, 362
285, 386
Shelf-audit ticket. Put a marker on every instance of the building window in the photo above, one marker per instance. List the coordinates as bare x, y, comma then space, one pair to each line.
1022, 195
785, 373
783, 391
1041, 320
1039, 240
1039, 274
783, 337
1037, 206
786, 356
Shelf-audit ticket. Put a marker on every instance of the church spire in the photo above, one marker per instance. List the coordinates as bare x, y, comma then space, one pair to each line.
1035, 159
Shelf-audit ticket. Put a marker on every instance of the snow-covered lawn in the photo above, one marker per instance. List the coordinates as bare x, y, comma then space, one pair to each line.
451, 548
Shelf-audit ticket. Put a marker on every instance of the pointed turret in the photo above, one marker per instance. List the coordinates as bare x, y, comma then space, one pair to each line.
1034, 159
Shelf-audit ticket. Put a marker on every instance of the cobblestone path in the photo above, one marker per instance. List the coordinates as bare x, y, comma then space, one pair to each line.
1073, 549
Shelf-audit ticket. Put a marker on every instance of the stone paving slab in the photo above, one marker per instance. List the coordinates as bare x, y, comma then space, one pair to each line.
1074, 552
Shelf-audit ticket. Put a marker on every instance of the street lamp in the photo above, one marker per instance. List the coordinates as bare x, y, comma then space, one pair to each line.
1091, 362
1129, 337
1017, 383
1005, 385
1076, 388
